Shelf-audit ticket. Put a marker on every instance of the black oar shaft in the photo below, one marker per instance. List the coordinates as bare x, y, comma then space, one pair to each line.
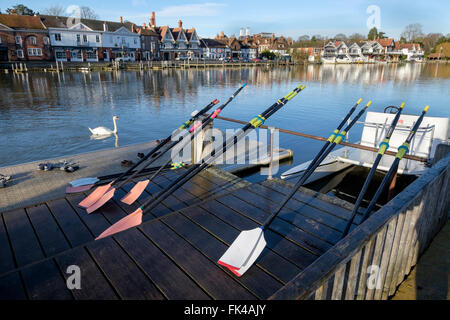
382, 148
402, 150
153, 202
163, 143
312, 167
203, 124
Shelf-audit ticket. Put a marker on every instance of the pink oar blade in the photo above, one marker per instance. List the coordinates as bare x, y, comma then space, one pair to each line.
79, 189
95, 195
131, 220
231, 268
135, 192
104, 199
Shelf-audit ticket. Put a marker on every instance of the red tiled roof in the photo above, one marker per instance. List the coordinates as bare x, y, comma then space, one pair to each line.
21, 22
386, 42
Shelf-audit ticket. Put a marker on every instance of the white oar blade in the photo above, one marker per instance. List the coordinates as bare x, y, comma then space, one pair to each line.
244, 250
83, 181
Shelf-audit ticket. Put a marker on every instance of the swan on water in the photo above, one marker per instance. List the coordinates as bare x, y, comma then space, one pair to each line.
101, 131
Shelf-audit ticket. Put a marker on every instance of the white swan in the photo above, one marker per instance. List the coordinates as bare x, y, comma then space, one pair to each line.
101, 131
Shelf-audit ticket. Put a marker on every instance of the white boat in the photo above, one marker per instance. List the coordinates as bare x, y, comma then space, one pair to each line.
433, 131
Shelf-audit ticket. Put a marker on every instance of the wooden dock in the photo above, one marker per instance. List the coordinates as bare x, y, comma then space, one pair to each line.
173, 254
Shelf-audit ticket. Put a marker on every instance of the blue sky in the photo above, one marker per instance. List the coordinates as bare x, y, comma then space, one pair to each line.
290, 18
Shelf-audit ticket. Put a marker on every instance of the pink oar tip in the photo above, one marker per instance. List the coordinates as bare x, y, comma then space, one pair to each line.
79, 189
135, 192
131, 220
229, 267
105, 198
95, 195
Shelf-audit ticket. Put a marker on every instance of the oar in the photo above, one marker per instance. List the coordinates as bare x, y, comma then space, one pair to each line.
402, 150
135, 218
140, 186
249, 244
381, 150
85, 184
100, 191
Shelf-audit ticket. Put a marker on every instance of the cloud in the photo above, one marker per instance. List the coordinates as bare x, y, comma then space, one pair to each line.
138, 3
206, 9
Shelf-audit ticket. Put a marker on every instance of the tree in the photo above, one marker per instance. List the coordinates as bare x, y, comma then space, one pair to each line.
430, 40
355, 37
373, 34
382, 35
412, 32
88, 13
21, 10
269, 55
303, 38
55, 10
340, 36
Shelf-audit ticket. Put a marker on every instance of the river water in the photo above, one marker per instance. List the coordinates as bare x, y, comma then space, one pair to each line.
45, 115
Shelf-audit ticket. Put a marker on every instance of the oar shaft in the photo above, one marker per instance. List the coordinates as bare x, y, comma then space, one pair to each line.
402, 150
153, 202
382, 148
313, 167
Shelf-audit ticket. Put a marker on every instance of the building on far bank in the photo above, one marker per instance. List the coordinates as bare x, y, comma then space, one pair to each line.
23, 38
213, 49
150, 48
75, 39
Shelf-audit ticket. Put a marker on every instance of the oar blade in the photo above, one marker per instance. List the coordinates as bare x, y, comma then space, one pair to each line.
131, 220
244, 251
77, 189
105, 198
95, 195
83, 181
135, 192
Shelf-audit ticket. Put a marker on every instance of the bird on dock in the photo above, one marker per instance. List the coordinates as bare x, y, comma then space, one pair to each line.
102, 131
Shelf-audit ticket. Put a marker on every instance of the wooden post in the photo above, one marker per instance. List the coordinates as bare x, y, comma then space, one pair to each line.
272, 129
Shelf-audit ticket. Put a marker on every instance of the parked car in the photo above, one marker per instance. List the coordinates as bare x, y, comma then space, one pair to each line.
181, 58
256, 60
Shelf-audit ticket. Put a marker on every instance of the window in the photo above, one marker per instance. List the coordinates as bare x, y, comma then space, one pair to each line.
91, 55
135, 41
57, 36
18, 40
46, 40
19, 53
85, 39
34, 52
32, 40
97, 38
78, 38
60, 55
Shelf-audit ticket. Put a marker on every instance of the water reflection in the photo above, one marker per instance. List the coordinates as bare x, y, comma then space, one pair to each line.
47, 114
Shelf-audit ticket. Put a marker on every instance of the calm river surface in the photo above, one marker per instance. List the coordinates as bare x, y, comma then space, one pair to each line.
45, 115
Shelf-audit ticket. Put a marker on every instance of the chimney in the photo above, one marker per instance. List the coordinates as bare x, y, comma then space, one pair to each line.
180, 24
222, 34
153, 20
132, 27
144, 26
105, 26
247, 33
121, 19
241, 32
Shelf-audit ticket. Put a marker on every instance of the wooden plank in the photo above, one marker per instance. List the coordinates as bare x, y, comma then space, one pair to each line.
11, 287
270, 261
362, 284
255, 279
93, 283
69, 222
170, 279
352, 278
24, 242
338, 283
6, 255
287, 249
95, 222
43, 281
122, 272
375, 263
50, 235
207, 274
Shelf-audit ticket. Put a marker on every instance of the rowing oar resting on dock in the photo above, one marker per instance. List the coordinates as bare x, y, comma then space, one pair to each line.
247, 247
110, 187
135, 218
139, 188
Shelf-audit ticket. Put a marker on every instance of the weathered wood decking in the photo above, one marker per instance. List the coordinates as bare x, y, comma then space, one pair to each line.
173, 254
